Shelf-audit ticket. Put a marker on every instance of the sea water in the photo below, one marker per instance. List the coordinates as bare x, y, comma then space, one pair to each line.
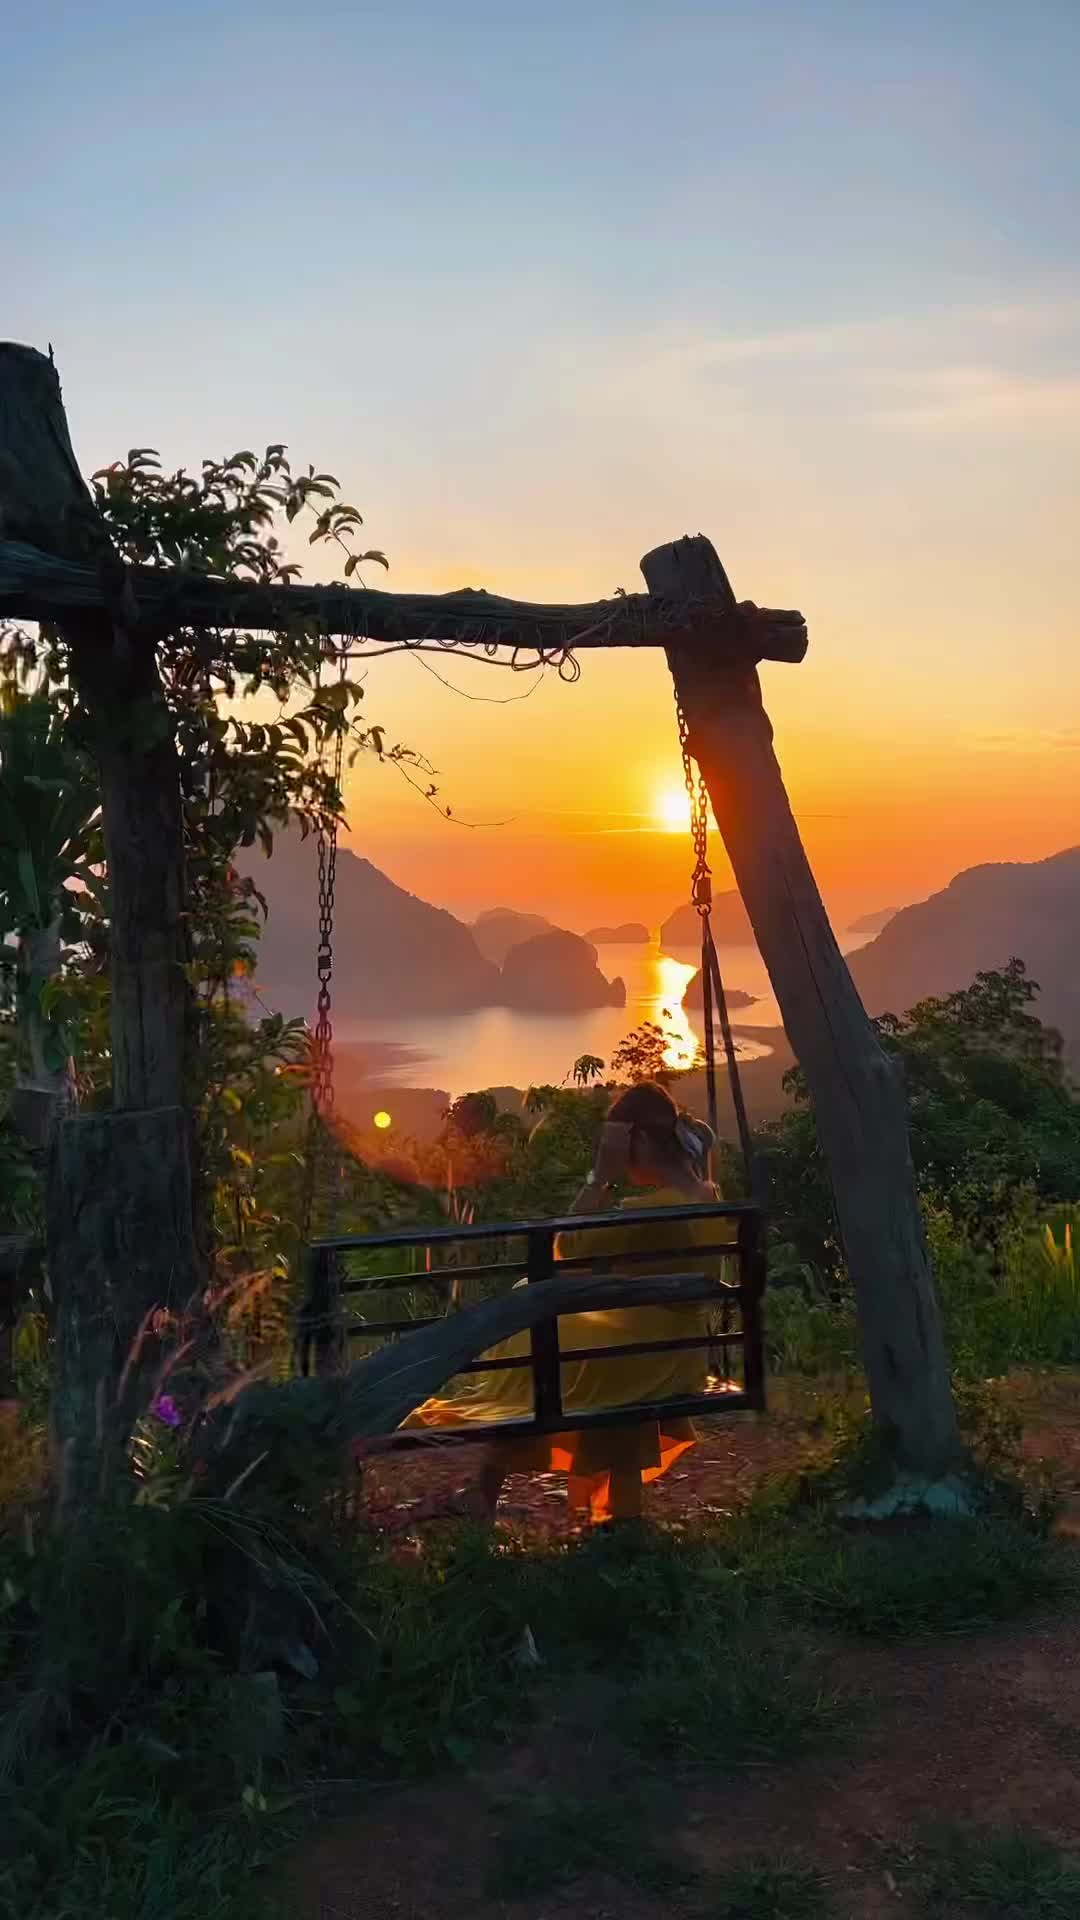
501, 1046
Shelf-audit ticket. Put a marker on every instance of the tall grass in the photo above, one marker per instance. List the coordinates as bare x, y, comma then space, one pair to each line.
1012, 1304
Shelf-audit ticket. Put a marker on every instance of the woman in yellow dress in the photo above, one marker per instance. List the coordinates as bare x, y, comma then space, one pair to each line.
646, 1144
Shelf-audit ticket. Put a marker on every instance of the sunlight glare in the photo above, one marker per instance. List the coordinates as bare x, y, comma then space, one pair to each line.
673, 810
383, 1120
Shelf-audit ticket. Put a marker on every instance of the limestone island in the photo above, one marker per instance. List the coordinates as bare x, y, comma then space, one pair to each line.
557, 973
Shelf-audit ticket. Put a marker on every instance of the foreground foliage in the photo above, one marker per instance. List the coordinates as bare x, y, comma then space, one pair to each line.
994, 1124
163, 1759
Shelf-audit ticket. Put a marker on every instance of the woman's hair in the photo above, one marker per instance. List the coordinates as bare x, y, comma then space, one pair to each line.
663, 1136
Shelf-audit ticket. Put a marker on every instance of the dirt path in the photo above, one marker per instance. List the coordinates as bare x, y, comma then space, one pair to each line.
983, 1729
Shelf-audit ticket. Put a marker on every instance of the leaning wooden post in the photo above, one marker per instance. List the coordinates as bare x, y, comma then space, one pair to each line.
113, 1259
856, 1091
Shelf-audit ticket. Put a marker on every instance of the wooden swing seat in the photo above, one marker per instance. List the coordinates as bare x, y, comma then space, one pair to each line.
345, 1279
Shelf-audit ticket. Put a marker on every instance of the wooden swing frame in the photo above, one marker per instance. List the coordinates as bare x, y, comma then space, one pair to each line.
123, 1210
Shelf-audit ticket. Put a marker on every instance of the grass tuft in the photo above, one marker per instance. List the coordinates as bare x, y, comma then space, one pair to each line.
922, 1576
1006, 1874
767, 1891
721, 1705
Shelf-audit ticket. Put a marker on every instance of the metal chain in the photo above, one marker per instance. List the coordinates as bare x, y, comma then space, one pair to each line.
318, 1152
712, 985
697, 794
322, 1085
322, 1089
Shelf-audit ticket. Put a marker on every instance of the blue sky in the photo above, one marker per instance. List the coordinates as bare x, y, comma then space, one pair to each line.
545, 286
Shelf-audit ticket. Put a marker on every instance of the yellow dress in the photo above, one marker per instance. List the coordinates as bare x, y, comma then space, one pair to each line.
589, 1386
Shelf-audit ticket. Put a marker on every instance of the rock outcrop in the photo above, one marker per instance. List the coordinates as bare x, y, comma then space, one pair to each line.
736, 998
632, 933
557, 973
501, 928
730, 924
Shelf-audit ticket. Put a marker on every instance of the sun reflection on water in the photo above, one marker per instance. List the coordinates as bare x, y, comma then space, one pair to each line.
667, 1011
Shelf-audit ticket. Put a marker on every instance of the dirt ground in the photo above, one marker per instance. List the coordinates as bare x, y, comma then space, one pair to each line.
732, 1456
983, 1728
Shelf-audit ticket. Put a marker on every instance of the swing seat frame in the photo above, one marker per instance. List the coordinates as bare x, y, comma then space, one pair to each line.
333, 1314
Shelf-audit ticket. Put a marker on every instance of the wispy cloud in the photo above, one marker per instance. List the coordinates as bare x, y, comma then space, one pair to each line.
900, 333
1028, 740
942, 399
954, 366
782, 343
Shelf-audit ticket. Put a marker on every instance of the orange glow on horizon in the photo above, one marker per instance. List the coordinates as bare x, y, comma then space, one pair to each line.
589, 825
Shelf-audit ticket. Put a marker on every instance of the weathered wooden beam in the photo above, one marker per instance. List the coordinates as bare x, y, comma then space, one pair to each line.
858, 1098
39, 586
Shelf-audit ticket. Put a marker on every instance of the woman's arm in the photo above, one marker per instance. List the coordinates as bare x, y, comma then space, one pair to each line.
609, 1167
594, 1197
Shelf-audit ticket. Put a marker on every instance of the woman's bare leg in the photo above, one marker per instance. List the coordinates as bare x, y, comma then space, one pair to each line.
625, 1493
607, 1496
581, 1490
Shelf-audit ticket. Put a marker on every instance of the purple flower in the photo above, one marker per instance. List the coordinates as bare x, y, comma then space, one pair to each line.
166, 1410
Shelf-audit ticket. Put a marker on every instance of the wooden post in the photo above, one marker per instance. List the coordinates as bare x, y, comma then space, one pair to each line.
134, 746
45, 502
857, 1095
121, 1237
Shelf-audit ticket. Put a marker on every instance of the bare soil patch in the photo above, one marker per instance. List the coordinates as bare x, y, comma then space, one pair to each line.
981, 1729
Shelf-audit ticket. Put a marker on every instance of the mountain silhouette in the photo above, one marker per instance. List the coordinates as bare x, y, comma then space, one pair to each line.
501, 928
393, 953
632, 933
1029, 910
397, 954
873, 922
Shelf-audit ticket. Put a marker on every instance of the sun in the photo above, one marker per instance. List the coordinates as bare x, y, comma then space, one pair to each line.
672, 810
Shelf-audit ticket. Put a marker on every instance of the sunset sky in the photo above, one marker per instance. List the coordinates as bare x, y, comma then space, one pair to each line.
548, 285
